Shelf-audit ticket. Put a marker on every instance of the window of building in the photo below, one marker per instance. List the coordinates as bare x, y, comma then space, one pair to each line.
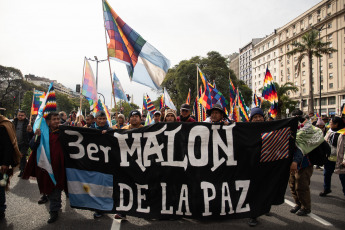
330, 45
303, 83
303, 64
329, 37
303, 73
296, 75
275, 70
288, 78
295, 59
268, 57
330, 75
331, 100
259, 82
329, 56
274, 54
288, 70
281, 72
296, 83
288, 61
321, 87
303, 90
288, 47
323, 101
274, 41
318, 11
330, 65
329, 6
331, 85
281, 49
310, 17
329, 25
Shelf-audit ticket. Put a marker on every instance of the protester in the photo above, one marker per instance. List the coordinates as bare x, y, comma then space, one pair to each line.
156, 117
170, 115
162, 114
185, 114
326, 121
22, 127
100, 124
217, 114
9, 157
80, 121
301, 168
321, 125
256, 115
90, 119
336, 161
143, 119
120, 122
63, 118
72, 118
134, 120
44, 181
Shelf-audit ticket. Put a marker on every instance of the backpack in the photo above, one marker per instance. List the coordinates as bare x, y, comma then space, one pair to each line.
319, 155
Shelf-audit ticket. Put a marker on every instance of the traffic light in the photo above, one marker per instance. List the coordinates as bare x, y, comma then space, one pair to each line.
77, 88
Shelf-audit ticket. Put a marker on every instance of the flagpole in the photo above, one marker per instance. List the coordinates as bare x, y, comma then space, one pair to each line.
82, 84
106, 45
197, 82
33, 98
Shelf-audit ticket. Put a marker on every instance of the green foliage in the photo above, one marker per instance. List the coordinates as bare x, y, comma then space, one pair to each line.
127, 108
183, 77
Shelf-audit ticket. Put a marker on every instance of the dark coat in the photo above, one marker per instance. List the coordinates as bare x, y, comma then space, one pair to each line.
26, 135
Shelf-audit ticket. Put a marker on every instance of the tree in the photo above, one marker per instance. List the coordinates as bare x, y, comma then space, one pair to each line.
284, 101
127, 108
310, 47
183, 77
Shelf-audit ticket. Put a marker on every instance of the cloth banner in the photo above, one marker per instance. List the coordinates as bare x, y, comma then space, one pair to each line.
194, 170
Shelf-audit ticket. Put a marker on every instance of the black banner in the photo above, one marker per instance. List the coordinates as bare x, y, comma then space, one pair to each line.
196, 170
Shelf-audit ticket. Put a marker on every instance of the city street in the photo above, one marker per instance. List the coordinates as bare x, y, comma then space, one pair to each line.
23, 212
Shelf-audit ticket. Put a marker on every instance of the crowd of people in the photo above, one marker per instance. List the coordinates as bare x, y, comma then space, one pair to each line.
18, 137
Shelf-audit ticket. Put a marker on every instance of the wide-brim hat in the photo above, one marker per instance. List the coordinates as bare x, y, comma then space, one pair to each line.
215, 107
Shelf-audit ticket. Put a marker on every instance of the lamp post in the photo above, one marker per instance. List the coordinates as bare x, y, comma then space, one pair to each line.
97, 61
320, 29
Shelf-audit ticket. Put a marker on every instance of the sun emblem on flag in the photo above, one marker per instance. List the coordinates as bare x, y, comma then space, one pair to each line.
86, 188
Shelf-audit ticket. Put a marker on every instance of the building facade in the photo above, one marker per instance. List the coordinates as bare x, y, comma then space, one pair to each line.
234, 63
245, 62
328, 16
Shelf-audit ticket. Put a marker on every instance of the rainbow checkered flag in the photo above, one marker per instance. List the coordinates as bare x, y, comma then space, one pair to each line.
38, 98
127, 46
89, 84
269, 92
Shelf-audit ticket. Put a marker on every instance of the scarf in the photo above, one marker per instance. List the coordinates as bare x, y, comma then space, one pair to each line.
12, 134
308, 138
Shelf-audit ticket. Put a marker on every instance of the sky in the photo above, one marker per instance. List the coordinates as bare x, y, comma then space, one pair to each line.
51, 38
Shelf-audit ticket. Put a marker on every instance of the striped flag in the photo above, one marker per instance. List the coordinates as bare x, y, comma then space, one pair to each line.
161, 102
257, 100
188, 98
150, 106
243, 109
275, 145
233, 94
205, 99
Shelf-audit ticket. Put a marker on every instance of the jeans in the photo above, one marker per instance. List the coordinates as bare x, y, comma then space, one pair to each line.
2, 198
55, 200
327, 174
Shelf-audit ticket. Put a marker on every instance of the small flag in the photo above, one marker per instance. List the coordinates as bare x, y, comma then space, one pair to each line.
118, 90
89, 84
188, 98
38, 98
205, 98
148, 120
161, 102
257, 100
150, 106
269, 92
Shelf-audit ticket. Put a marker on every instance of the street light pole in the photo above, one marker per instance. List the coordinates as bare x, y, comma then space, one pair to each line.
321, 28
97, 61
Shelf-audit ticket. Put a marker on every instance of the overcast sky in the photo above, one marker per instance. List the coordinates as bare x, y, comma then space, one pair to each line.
51, 38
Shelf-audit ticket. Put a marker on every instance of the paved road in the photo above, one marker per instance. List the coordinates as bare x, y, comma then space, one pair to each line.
23, 212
